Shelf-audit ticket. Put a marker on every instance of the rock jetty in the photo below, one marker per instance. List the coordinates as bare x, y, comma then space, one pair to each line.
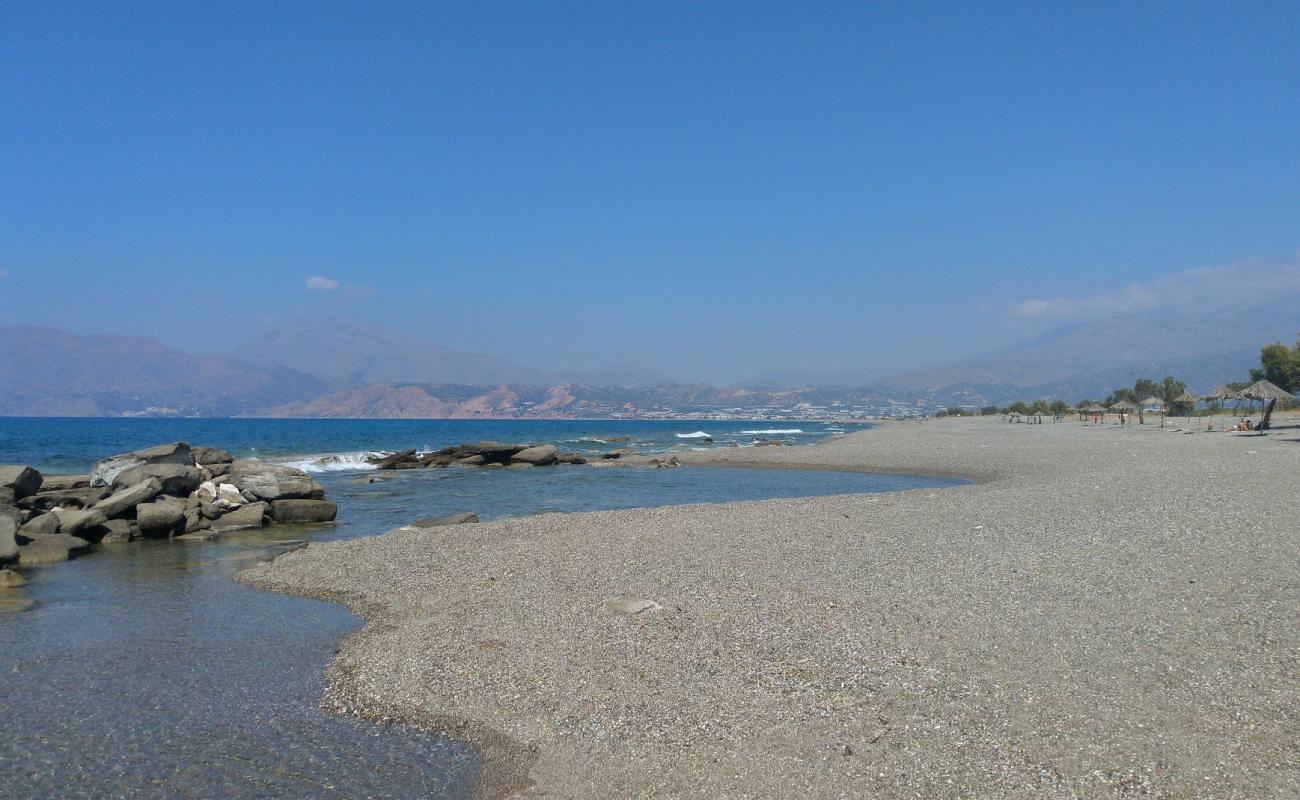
172, 491
480, 454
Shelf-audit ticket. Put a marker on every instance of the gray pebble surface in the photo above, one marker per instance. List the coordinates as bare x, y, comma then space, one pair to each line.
1104, 612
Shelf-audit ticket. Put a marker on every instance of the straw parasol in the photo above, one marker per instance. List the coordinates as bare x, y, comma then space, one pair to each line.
1268, 393
1220, 394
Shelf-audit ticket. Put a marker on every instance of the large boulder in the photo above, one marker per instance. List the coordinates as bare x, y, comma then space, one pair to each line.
17, 482
84, 524
399, 460
538, 456
50, 549
272, 481
177, 480
117, 531
249, 516
293, 512
119, 502
65, 498
161, 518
211, 456
9, 521
62, 483
41, 524
103, 473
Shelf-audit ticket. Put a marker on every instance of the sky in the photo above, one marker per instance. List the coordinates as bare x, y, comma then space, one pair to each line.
713, 190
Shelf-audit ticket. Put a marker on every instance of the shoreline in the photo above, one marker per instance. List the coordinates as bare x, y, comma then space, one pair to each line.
869, 608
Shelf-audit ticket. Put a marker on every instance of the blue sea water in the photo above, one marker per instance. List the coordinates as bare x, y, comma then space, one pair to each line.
142, 670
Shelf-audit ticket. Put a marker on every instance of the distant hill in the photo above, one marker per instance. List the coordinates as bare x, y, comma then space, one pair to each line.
48, 372
360, 353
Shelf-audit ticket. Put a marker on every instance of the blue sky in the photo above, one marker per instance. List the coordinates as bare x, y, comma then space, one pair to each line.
712, 189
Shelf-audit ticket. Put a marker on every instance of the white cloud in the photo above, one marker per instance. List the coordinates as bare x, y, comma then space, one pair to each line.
1206, 287
320, 284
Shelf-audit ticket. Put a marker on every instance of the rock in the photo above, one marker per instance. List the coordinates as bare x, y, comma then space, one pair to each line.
9, 521
84, 524
211, 456
229, 496
271, 481
62, 483
160, 519
469, 461
194, 520
119, 502
392, 462
41, 525
248, 496
291, 512
570, 458
491, 451
10, 579
612, 454
19, 481
438, 522
538, 456
208, 491
671, 461
103, 473
66, 498
626, 604
118, 531
248, 516
44, 550
177, 480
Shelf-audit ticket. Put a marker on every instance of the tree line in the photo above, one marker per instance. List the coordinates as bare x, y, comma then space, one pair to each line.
1278, 364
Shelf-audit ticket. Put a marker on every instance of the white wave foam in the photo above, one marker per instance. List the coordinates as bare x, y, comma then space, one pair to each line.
696, 435
332, 462
775, 430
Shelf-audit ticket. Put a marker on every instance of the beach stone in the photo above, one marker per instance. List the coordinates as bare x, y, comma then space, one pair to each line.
161, 518
115, 504
20, 481
626, 604
248, 516
80, 523
288, 512
117, 531
271, 481
536, 456
177, 480
65, 498
10, 579
211, 456
105, 471
9, 520
62, 483
40, 525
53, 549
438, 522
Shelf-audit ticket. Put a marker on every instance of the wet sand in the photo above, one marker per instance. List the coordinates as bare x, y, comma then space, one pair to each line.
1103, 613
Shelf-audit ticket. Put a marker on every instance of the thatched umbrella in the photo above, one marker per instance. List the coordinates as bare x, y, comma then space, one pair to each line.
1153, 401
1122, 406
1219, 395
1269, 393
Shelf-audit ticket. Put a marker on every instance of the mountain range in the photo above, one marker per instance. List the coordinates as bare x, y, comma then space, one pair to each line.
325, 367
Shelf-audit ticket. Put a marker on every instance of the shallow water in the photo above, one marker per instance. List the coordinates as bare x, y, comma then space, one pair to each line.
142, 670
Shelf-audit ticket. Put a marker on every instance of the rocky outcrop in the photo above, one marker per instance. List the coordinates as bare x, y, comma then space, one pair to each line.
479, 454
299, 512
103, 472
170, 491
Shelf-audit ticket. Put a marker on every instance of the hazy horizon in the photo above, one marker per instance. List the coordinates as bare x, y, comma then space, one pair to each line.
710, 192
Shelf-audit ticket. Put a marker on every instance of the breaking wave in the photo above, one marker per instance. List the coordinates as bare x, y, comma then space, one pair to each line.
332, 462
696, 435
774, 430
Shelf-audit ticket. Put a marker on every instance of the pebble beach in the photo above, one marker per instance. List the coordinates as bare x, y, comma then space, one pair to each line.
1101, 612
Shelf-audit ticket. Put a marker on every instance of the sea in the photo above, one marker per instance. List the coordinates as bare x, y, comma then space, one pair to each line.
143, 671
